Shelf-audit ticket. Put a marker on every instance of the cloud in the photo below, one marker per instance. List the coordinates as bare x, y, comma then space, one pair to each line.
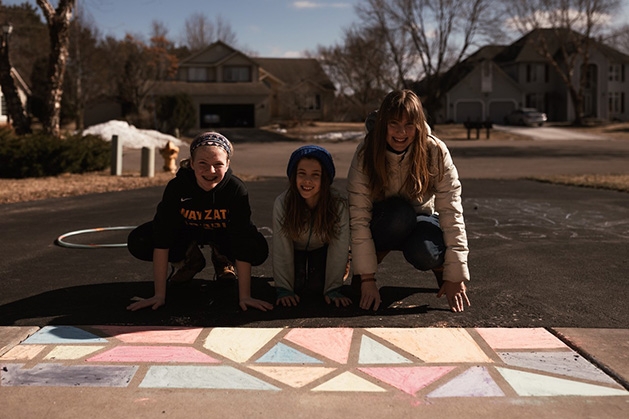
281, 52
318, 5
292, 54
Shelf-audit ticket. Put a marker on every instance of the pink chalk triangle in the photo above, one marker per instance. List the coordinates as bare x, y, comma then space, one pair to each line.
408, 379
167, 354
152, 334
333, 343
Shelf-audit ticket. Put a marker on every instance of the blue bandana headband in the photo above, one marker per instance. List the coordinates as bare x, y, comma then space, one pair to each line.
212, 139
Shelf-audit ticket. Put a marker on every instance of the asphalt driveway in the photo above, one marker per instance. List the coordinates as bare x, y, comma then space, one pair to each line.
549, 133
541, 255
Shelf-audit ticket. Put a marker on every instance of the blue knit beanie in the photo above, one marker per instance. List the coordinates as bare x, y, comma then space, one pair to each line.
315, 152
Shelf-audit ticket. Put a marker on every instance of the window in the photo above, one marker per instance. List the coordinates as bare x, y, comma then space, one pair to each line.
312, 102
535, 72
197, 74
236, 73
616, 102
615, 72
531, 75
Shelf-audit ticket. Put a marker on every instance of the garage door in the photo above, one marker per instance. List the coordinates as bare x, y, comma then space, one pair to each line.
499, 110
213, 116
472, 111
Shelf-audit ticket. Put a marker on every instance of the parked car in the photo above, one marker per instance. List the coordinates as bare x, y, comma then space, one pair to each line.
526, 116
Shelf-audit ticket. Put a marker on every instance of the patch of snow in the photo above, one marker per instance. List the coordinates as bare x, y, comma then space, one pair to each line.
340, 136
132, 137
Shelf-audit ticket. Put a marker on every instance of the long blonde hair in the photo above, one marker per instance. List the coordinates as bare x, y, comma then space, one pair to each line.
395, 105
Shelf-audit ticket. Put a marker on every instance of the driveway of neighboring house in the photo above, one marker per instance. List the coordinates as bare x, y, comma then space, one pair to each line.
549, 133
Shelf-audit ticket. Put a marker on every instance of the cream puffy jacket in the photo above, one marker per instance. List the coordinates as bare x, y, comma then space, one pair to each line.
284, 247
444, 198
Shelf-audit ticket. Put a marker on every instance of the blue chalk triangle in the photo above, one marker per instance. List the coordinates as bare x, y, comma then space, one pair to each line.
283, 354
63, 335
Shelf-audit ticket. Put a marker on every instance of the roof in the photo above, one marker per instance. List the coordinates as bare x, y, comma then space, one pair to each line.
295, 70
190, 60
525, 49
459, 71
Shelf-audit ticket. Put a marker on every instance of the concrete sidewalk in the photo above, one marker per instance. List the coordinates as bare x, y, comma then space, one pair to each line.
143, 371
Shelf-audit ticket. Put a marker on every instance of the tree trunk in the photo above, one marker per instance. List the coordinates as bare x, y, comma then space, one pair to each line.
59, 33
15, 110
577, 103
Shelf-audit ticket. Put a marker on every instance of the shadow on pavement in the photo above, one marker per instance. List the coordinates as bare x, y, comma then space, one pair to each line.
196, 303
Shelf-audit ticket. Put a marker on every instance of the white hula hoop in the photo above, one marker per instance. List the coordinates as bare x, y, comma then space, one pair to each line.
61, 239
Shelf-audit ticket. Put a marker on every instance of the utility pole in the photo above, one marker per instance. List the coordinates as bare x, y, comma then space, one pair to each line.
15, 110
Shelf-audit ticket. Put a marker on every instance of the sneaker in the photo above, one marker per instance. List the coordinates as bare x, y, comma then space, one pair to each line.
193, 263
223, 268
439, 276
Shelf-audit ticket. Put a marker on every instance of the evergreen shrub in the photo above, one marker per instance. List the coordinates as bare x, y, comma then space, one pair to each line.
38, 154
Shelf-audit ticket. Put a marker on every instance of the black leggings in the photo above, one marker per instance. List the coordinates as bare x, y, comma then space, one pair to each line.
310, 271
140, 244
395, 226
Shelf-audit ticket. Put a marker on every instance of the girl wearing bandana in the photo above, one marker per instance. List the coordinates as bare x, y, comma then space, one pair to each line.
204, 204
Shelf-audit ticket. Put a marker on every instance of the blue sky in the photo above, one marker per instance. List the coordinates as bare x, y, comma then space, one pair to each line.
270, 28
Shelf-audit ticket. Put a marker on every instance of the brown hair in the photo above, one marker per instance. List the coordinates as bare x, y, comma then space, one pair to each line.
395, 105
324, 219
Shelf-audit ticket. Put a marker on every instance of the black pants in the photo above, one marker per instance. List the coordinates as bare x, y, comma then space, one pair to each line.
310, 271
395, 226
140, 244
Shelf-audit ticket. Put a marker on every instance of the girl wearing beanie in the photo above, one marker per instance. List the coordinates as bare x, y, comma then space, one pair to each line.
405, 194
310, 231
204, 204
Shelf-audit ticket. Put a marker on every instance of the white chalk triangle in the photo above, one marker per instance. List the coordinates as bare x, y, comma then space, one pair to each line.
372, 352
529, 384
348, 382
474, 382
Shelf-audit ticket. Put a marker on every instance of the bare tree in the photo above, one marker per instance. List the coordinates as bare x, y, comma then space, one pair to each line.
159, 29
86, 70
568, 31
200, 31
430, 36
58, 21
15, 110
396, 42
144, 66
619, 39
357, 67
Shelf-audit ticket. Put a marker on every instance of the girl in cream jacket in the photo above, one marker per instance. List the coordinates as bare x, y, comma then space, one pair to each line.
404, 194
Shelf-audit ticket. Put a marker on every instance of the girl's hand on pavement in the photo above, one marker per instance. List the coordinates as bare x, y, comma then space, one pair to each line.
255, 303
369, 295
154, 302
456, 294
288, 301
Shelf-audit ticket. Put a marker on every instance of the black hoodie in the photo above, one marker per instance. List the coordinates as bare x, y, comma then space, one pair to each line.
220, 216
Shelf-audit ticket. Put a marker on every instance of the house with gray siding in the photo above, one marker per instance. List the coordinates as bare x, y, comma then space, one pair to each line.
495, 80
